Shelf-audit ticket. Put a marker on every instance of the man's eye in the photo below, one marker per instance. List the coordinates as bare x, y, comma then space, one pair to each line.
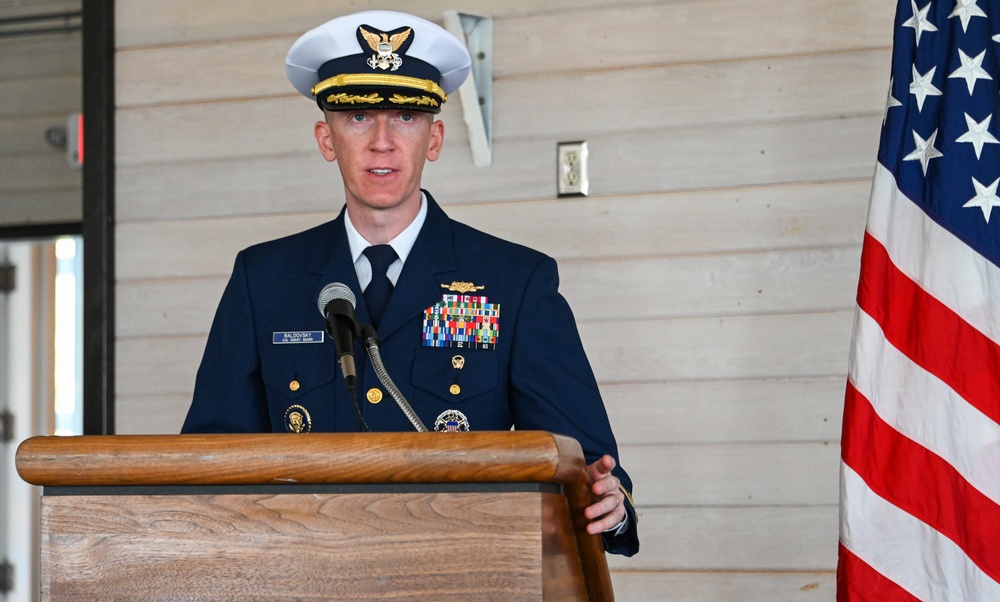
406, 117
359, 117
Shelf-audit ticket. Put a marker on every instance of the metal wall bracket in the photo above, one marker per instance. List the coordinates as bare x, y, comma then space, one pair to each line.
477, 91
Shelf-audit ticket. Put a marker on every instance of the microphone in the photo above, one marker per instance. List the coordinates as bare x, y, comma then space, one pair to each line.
336, 303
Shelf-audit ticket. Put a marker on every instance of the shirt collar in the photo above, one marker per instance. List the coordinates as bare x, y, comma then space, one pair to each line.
402, 244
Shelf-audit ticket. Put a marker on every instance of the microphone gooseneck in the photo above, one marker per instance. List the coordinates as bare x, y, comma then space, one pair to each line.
370, 339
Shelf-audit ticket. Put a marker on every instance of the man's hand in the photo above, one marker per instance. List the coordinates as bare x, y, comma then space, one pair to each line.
609, 509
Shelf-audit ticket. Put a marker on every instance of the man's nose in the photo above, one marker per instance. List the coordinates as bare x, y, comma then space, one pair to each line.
382, 134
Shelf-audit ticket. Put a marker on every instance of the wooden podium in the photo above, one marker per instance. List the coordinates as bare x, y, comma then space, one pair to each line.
394, 516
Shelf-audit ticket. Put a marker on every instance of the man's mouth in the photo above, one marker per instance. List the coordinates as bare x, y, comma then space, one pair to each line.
380, 172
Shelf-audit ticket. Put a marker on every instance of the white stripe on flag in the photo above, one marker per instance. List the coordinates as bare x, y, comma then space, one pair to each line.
922, 407
907, 551
941, 264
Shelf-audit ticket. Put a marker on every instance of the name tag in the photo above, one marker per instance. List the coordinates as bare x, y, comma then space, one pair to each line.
304, 336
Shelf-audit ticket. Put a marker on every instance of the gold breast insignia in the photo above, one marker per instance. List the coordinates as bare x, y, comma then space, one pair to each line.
297, 419
462, 287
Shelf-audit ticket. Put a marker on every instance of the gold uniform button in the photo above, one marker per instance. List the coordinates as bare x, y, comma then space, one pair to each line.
294, 385
374, 395
455, 389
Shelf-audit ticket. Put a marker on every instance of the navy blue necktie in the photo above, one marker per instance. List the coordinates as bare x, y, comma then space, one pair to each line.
380, 288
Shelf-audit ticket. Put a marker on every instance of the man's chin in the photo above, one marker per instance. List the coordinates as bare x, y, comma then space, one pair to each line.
387, 201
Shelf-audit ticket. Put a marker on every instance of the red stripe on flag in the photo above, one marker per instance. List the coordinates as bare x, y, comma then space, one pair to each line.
858, 582
928, 332
920, 483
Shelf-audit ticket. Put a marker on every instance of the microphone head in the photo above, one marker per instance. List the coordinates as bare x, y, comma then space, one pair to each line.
335, 290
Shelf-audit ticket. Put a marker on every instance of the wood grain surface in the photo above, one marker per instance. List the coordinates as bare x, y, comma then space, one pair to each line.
445, 546
316, 458
279, 459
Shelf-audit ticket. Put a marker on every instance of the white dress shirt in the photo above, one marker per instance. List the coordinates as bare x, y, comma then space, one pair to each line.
402, 245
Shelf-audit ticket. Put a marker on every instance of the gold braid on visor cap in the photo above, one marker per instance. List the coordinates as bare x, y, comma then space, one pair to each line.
361, 79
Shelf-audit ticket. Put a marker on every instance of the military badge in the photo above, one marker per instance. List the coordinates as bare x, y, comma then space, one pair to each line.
385, 47
297, 419
462, 287
451, 421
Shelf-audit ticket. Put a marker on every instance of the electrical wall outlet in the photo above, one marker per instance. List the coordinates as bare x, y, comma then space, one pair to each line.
572, 179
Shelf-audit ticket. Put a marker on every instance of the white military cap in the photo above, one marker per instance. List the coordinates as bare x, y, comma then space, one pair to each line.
378, 60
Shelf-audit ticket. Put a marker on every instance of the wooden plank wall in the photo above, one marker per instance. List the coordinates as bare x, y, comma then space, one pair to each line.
712, 269
40, 85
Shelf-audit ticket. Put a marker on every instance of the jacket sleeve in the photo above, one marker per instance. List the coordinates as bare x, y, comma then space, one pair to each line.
553, 388
229, 393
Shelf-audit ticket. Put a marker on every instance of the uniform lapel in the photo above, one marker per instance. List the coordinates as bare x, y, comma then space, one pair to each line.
419, 284
333, 262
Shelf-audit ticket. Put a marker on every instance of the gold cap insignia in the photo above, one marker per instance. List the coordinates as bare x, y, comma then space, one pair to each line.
462, 287
385, 48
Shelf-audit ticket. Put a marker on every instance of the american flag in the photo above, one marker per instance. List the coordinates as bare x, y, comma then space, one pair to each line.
920, 470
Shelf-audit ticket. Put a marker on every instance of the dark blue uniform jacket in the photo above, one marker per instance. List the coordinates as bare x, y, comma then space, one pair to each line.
535, 377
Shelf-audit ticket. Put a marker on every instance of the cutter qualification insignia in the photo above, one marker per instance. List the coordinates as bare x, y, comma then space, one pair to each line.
462, 287
451, 421
385, 48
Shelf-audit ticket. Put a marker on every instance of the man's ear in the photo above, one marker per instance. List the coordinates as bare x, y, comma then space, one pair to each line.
437, 140
324, 139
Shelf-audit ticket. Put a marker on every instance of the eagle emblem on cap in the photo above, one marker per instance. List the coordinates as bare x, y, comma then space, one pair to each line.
385, 48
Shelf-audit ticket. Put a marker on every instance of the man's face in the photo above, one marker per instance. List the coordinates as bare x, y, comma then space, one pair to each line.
381, 154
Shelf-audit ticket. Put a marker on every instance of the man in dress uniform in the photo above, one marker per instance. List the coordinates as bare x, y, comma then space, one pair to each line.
473, 329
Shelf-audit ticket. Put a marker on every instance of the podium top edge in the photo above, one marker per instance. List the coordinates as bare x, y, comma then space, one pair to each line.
313, 458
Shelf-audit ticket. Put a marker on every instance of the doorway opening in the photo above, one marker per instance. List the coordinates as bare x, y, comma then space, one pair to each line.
41, 370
